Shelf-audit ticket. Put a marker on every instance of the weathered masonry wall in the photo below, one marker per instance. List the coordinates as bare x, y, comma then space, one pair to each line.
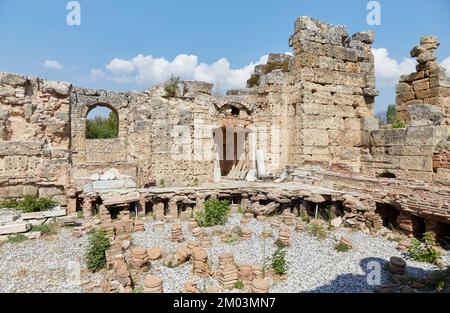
403, 153
332, 91
313, 106
34, 137
428, 85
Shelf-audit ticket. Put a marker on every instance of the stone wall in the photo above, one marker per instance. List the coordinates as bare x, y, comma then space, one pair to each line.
428, 85
34, 137
313, 106
333, 90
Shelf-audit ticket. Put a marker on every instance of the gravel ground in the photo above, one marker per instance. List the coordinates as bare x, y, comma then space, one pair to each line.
314, 265
52, 264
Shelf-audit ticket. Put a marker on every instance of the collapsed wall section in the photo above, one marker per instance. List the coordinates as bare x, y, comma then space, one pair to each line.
428, 85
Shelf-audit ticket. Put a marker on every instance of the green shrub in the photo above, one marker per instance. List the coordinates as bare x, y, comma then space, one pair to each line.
342, 247
425, 251
138, 290
171, 86
17, 238
279, 264
239, 285
102, 128
304, 216
215, 213
317, 230
96, 253
196, 182
398, 124
440, 280
29, 204
44, 229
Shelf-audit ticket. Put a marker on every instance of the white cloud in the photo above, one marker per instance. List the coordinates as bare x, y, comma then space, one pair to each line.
388, 70
446, 65
147, 70
52, 64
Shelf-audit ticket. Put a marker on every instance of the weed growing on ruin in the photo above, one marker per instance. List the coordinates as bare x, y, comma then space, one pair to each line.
80, 214
138, 290
317, 230
440, 280
232, 235
425, 251
17, 238
196, 182
304, 216
398, 124
29, 204
44, 229
239, 285
162, 183
279, 263
342, 247
96, 253
171, 86
240, 210
215, 213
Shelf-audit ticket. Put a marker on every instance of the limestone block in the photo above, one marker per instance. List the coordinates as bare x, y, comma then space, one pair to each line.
15, 228
418, 163
59, 88
425, 115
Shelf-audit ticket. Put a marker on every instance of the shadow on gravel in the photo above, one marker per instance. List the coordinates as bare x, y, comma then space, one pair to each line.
351, 283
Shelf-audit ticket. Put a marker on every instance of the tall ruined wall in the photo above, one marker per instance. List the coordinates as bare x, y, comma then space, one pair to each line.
428, 85
34, 137
332, 91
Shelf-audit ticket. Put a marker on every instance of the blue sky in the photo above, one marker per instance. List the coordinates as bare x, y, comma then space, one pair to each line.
104, 51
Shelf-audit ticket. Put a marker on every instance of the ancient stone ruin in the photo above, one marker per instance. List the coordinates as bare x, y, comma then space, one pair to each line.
300, 138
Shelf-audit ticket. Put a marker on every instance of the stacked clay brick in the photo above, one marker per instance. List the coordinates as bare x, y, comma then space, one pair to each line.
114, 250
260, 285
192, 224
158, 210
246, 233
121, 272
183, 254
138, 225
154, 254
276, 223
176, 233
200, 262
191, 245
246, 275
106, 221
288, 219
139, 258
228, 271
300, 226
258, 271
124, 225
153, 284
428, 85
197, 232
285, 237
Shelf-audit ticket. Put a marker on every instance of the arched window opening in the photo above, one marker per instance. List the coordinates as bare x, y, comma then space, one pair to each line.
102, 122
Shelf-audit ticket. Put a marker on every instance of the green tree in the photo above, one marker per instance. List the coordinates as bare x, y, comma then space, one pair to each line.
391, 114
102, 128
